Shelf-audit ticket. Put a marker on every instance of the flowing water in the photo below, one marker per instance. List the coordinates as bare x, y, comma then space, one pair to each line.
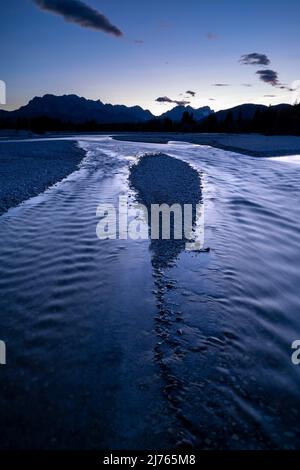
105, 349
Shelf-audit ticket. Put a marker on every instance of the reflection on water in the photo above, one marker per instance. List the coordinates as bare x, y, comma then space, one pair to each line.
111, 345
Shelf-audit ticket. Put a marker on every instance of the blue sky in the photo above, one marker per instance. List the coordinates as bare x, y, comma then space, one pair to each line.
182, 45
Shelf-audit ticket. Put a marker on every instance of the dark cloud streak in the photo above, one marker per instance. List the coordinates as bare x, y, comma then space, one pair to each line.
190, 92
76, 11
211, 36
255, 59
268, 76
285, 87
166, 99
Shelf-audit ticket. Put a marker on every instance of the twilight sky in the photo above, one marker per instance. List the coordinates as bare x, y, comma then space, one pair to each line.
152, 54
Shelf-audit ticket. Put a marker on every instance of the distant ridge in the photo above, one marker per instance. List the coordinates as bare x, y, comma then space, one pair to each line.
247, 111
76, 109
176, 113
74, 113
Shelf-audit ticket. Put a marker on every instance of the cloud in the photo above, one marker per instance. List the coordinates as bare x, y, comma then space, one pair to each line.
76, 11
268, 76
220, 84
255, 59
166, 99
285, 87
211, 36
182, 103
190, 92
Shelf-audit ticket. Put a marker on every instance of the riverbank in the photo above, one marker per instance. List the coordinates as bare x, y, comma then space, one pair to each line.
29, 168
256, 145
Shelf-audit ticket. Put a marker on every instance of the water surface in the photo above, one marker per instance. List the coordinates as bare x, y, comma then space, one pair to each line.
107, 350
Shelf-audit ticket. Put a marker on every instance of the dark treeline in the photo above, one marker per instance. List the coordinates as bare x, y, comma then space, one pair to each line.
269, 121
